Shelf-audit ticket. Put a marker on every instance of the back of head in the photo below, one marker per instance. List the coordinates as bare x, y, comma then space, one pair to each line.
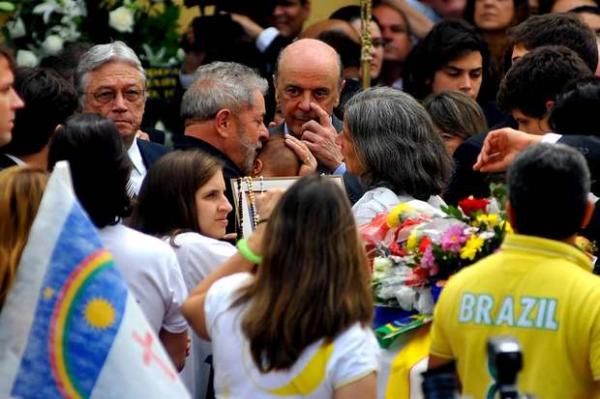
220, 85
171, 183
576, 107
21, 190
330, 25
538, 77
397, 144
277, 158
447, 41
559, 30
330, 269
455, 113
49, 101
548, 187
347, 47
101, 54
347, 13
99, 164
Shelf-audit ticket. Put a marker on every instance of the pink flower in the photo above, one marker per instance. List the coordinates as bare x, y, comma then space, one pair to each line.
453, 238
428, 261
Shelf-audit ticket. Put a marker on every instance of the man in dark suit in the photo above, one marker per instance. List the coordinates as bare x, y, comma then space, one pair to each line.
223, 112
308, 83
9, 102
111, 82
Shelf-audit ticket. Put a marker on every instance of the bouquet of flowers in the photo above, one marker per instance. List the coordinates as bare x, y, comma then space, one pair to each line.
417, 247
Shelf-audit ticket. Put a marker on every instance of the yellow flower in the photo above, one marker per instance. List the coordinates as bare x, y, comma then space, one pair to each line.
413, 241
492, 220
393, 219
473, 244
508, 228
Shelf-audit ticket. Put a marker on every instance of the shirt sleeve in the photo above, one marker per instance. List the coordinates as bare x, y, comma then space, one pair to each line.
265, 38
358, 358
551, 138
174, 322
219, 298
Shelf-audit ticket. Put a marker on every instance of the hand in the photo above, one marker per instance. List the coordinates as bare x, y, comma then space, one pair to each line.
309, 162
320, 137
142, 135
500, 148
251, 28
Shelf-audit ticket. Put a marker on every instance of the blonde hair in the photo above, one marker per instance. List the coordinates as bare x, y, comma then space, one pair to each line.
21, 190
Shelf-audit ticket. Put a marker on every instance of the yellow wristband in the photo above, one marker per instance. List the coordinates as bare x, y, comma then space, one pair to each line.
247, 253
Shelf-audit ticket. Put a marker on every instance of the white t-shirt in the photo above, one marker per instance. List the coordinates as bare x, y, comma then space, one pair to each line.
383, 200
152, 273
198, 255
317, 373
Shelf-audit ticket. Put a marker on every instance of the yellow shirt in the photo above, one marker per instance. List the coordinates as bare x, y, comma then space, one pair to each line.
539, 291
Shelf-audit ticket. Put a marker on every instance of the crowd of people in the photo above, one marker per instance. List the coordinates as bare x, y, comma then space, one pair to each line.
464, 93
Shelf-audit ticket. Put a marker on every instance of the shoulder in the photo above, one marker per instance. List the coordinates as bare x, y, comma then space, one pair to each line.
134, 242
276, 130
191, 243
150, 151
221, 294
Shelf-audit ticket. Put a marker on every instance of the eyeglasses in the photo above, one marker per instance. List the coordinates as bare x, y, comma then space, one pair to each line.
107, 96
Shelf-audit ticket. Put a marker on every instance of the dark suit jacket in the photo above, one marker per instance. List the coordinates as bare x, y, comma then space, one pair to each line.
354, 187
230, 169
151, 152
6, 162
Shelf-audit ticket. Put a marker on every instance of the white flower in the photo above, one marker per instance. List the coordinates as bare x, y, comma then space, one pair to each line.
16, 28
46, 9
27, 58
53, 44
121, 19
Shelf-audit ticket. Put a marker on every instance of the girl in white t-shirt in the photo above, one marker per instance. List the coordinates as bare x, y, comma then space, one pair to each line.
296, 324
182, 200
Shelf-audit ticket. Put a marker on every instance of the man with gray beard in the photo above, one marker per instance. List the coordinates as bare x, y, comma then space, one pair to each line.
224, 113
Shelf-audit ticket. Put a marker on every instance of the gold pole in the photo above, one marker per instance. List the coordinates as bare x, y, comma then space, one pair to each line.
365, 36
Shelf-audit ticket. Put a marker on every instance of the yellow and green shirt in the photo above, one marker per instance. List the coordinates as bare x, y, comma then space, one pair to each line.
541, 292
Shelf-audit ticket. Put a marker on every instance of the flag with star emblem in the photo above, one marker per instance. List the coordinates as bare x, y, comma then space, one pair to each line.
69, 327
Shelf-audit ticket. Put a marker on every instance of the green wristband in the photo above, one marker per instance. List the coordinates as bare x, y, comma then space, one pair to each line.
247, 253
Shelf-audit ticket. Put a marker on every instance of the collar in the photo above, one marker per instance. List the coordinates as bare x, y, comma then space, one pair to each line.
16, 160
547, 248
136, 157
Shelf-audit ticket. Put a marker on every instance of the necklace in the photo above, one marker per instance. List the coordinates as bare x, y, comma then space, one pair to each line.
252, 204
240, 210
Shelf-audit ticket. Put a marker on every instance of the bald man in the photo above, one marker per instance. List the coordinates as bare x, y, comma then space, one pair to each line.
308, 83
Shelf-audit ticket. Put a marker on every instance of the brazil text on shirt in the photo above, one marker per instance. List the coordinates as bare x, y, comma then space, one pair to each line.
524, 311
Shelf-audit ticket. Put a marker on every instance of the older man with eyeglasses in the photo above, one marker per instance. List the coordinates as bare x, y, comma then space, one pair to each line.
111, 82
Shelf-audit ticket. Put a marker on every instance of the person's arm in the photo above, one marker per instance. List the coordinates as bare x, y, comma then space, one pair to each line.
436, 361
365, 388
193, 307
176, 346
500, 148
420, 25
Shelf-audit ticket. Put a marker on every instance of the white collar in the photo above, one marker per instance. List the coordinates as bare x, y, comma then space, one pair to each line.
136, 157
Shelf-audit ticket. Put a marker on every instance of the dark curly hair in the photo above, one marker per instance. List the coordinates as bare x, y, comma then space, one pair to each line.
538, 77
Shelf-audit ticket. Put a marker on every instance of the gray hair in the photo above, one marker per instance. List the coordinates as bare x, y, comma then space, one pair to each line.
101, 54
221, 85
396, 143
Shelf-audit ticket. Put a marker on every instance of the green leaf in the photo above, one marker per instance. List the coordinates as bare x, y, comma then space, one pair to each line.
6, 6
